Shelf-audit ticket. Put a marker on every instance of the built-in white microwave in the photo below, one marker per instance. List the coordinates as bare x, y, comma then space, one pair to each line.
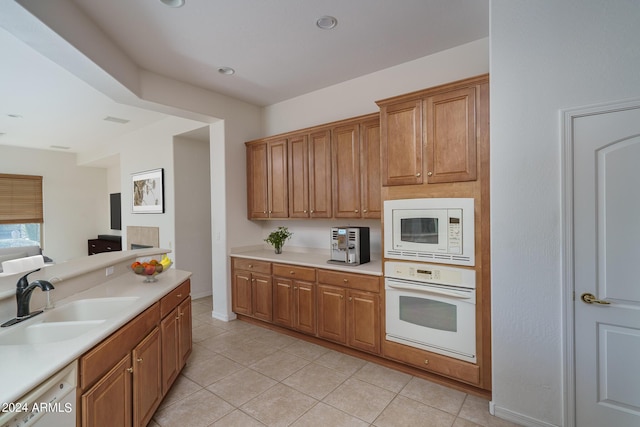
430, 230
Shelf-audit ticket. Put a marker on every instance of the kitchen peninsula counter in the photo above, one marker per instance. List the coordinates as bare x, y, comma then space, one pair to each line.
25, 366
307, 258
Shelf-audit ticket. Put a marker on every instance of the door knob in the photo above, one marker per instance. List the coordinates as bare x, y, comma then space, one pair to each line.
591, 299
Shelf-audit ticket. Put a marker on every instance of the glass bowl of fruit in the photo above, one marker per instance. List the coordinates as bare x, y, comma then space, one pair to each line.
151, 268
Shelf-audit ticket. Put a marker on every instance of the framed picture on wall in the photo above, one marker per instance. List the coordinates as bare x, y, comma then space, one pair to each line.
148, 191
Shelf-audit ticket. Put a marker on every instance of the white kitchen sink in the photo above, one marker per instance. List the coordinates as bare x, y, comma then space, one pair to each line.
88, 309
67, 321
42, 333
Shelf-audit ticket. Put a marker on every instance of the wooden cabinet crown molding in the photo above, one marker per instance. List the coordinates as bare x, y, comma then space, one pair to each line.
315, 128
423, 93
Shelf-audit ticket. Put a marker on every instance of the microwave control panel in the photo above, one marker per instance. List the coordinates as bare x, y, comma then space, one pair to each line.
454, 228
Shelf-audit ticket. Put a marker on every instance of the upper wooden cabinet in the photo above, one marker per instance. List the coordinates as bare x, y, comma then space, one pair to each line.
267, 179
299, 176
346, 171
401, 142
370, 187
451, 136
442, 123
320, 174
331, 171
310, 175
356, 170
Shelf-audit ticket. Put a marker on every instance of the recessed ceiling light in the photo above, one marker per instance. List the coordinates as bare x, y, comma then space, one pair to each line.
327, 22
227, 71
173, 3
14, 116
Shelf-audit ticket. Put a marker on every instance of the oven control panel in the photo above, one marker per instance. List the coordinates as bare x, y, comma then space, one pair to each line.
430, 273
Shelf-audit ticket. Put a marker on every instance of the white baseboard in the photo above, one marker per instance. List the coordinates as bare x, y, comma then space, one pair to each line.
223, 317
515, 417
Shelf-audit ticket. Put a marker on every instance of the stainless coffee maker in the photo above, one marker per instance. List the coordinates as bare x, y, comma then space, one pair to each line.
349, 245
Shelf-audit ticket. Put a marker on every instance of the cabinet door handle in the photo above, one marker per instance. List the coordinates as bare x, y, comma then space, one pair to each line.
418, 175
341, 296
356, 211
365, 210
312, 211
345, 280
139, 360
292, 272
130, 370
350, 299
179, 296
429, 173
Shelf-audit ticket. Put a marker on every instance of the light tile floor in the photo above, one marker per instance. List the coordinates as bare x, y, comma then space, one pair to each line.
244, 375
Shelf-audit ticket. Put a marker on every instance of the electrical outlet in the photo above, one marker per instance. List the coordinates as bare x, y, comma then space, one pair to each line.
109, 271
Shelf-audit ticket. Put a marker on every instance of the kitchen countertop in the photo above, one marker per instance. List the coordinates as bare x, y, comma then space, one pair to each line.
24, 367
307, 258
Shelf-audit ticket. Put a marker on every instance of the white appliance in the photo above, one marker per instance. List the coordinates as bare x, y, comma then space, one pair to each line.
430, 230
51, 404
432, 307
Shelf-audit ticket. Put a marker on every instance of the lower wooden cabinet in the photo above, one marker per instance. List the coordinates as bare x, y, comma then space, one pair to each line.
336, 306
124, 378
147, 378
332, 308
176, 343
109, 401
349, 317
252, 292
130, 392
261, 297
363, 321
294, 297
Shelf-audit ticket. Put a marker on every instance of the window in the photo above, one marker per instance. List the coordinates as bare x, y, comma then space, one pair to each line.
21, 211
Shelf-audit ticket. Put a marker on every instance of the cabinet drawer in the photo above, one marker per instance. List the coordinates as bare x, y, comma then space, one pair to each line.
252, 265
99, 360
453, 368
350, 280
295, 272
175, 297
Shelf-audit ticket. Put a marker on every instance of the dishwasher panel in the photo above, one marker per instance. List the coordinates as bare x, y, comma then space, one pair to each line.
51, 404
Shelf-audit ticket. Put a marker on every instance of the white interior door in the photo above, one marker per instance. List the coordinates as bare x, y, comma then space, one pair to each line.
606, 248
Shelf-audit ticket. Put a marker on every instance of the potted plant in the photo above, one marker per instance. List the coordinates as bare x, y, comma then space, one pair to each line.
278, 237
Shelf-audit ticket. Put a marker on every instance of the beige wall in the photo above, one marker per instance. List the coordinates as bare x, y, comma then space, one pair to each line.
75, 206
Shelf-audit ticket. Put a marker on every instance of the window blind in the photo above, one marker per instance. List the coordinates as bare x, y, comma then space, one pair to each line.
20, 199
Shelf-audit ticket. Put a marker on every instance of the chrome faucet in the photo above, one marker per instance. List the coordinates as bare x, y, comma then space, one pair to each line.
23, 297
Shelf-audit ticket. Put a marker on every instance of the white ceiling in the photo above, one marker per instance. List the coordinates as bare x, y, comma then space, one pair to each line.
274, 46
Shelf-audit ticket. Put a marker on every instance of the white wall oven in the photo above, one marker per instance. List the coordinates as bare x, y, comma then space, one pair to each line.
432, 307
430, 230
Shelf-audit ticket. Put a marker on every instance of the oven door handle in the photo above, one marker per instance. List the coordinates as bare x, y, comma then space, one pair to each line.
430, 290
